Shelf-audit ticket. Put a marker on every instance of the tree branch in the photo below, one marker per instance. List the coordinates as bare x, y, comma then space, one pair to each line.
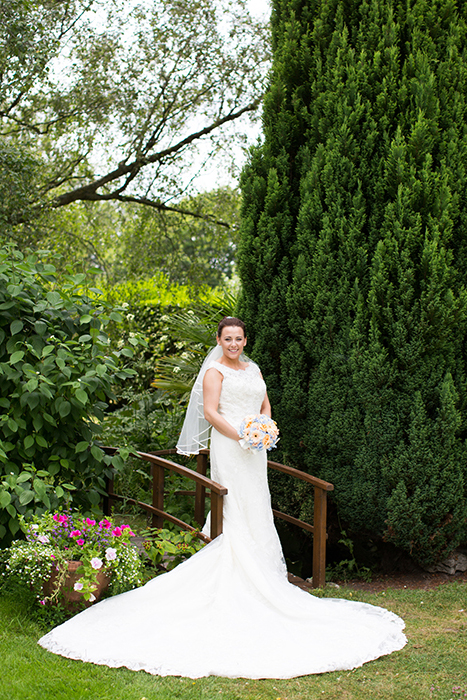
89, 192
164, 207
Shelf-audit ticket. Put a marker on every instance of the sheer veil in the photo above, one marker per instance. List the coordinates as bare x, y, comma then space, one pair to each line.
196, 429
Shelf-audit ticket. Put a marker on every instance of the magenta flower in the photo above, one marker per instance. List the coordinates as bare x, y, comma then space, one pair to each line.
60, 518
75, 533
42, 602
90, 522
80, 542
117, 532
127, 527
105, 523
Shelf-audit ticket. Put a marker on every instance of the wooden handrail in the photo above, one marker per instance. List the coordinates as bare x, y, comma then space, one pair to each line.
158, 465
325, 485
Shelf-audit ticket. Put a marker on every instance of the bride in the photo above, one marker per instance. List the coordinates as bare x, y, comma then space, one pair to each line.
229, 610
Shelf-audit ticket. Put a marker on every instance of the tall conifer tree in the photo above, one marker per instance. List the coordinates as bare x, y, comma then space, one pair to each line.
354, 261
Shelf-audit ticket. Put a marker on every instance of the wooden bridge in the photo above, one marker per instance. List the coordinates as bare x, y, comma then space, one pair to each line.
203, 484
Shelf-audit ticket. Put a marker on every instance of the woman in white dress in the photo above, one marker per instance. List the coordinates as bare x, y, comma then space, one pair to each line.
229, 610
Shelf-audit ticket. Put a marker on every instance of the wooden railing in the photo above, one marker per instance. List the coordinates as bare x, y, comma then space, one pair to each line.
217, 492
156, 509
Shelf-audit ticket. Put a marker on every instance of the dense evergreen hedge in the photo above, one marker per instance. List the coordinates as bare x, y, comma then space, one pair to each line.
354, 262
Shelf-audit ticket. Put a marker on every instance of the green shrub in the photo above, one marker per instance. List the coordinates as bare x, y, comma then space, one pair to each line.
57, 372
353, 261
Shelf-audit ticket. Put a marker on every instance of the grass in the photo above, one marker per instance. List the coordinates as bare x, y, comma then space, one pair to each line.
433, 665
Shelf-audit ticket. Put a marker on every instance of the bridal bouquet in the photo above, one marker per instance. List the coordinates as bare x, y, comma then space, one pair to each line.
258, 433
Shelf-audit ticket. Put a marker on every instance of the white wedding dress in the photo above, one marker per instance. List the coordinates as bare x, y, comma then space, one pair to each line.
229, 610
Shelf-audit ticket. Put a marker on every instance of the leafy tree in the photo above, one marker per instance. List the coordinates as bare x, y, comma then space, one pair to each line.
185, 249
57, 372
115, 100
353, 261
126, 241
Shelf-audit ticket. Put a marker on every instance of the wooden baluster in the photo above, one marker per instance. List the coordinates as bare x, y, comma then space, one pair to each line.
319, 538
217, 505
200, 494
108, 502
157, 494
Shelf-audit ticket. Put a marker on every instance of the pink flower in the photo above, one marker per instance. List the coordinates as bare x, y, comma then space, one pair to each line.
117, 532
80, 542
75, 533
42, 602
127, 527
110, 554
60, 518
78, 586
43, 539
105, 523
90, 522
96, 563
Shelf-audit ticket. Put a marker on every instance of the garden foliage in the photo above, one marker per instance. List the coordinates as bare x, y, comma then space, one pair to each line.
57, 372
354, 261
179, 326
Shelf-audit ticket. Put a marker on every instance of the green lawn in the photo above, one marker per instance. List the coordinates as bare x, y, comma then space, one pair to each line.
432, 665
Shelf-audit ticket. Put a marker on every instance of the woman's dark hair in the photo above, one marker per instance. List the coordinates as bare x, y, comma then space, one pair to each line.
230, 321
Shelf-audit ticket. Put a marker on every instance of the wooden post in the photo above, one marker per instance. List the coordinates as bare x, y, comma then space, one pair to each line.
217, 507
157, 493
319, 538
108, 501
200, 493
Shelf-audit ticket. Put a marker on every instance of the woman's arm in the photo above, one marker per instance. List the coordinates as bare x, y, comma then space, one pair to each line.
212, 385
266, 406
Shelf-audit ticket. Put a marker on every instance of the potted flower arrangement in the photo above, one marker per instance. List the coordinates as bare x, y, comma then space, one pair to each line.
69, 549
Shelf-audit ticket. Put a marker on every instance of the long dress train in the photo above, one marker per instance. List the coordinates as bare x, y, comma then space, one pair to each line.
229, 610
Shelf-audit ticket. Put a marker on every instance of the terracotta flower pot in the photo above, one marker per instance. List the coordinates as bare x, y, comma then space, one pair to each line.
73, 599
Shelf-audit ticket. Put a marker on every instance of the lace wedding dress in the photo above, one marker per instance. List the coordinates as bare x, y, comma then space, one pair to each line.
229, 610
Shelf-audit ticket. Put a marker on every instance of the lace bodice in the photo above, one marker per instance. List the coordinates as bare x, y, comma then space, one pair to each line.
242, 392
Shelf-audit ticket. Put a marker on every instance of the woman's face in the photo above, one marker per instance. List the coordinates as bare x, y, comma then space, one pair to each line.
232, 342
